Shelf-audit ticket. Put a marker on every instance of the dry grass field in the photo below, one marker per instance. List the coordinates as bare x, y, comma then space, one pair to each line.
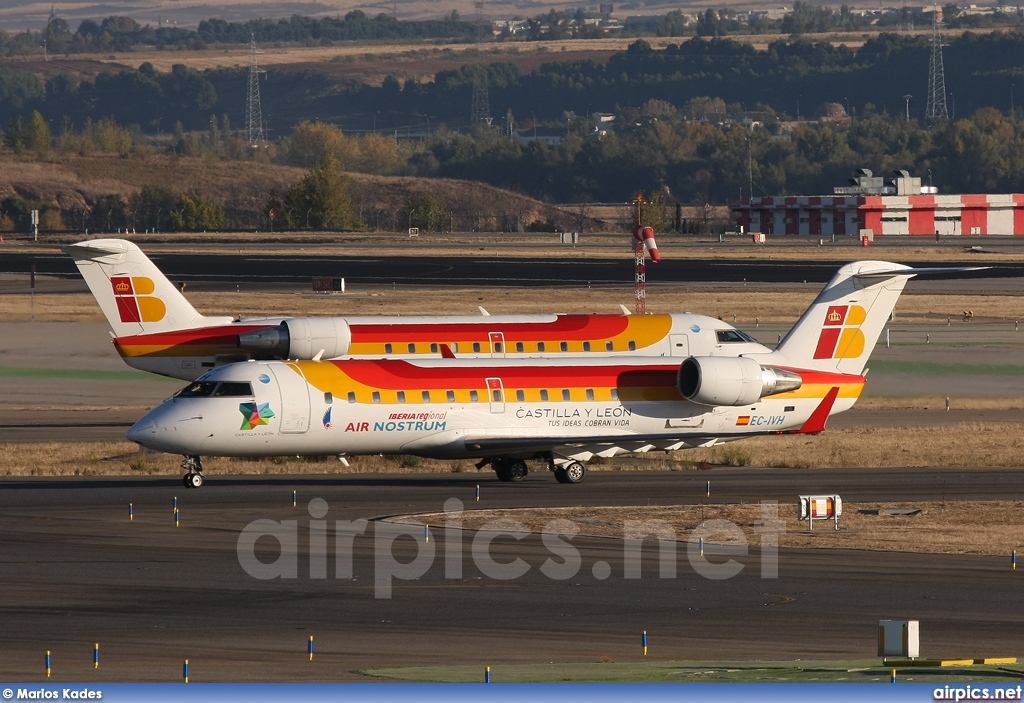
425, 58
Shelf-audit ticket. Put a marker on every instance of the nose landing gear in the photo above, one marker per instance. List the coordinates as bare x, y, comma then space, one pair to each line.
194, 466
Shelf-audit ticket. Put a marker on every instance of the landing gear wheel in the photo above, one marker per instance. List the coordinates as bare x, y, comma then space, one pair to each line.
517, 470
194, 466
573, 472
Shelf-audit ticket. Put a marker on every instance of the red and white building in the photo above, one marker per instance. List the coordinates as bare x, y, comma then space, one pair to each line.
897, 205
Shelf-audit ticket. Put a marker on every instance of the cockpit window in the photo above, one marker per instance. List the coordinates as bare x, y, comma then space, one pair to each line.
199, 389
206, 389
233, 389
729, 336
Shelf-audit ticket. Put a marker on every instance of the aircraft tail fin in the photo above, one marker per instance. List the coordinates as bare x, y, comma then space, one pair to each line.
841, 327
135, 296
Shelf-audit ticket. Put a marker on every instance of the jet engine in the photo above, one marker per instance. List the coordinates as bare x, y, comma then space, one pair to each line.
718, 380
300, 338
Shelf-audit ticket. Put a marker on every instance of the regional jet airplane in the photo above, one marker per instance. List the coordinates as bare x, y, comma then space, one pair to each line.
156, 329
560, 410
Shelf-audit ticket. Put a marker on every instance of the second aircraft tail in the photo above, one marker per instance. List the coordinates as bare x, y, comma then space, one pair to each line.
135, 296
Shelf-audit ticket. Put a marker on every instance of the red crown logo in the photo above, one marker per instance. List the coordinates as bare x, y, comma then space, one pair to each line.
122, 287
835, 316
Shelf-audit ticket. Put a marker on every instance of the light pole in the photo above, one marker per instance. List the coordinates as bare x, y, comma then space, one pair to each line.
307, 217
907, 97
410, 217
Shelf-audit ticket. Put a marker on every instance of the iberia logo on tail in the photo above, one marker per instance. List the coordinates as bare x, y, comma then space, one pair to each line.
134, 300
841, 336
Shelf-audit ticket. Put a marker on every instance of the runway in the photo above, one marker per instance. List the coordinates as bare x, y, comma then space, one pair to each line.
467, 270
76, 571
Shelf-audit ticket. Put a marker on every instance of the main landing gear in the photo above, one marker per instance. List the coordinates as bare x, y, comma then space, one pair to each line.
194, 466
570, 472
508, 469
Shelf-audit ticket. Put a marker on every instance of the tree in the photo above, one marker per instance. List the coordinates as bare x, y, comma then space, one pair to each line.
152, 207
321, 198
429, 212
194, 213
32, 134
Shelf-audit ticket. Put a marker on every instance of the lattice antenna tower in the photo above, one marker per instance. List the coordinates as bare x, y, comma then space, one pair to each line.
480, 112
906, 22
254, 113
935, 108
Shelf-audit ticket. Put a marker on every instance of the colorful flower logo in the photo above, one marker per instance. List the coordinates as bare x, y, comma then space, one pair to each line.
254, 415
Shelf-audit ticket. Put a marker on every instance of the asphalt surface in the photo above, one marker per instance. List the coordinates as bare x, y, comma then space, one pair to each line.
461, 270
76, 571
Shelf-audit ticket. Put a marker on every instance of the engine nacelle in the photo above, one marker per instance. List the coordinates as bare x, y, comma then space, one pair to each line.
719, 380
301, 338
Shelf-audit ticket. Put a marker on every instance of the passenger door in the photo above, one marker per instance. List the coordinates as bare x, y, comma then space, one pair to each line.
496, 395
497, 340
294, 398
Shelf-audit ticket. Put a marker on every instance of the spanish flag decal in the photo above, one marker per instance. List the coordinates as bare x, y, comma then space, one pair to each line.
743, 420
841, 337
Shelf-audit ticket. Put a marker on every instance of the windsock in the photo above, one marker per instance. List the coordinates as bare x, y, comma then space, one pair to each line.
646, 235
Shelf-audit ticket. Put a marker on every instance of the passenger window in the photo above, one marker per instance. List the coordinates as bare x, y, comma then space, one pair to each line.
497, 347
474, 396
564, 346
426, 396
451, 396
476, 347
401, 396
544, 394
496, 395
540, 346
412, 348
632, 345
520, 395
615, 393
565, 394
376, 396
519, 347
433, 347
586, 346
609, 345
590, 394
351, 396
454, 346
387, 348
233, 389
328, 398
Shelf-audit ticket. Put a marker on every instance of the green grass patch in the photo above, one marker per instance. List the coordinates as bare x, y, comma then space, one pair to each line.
930, 368
658, 671
84, 374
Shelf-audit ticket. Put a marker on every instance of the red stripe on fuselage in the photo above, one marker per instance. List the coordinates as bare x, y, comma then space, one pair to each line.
572, 327
398, 375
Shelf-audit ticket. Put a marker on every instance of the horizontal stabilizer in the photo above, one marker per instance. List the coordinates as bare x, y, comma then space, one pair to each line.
908, 271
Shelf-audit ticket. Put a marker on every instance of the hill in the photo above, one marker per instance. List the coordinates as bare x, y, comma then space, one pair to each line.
76, 184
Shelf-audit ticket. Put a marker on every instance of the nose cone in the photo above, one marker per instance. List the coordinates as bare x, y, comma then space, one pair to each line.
170, 427
142, 430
